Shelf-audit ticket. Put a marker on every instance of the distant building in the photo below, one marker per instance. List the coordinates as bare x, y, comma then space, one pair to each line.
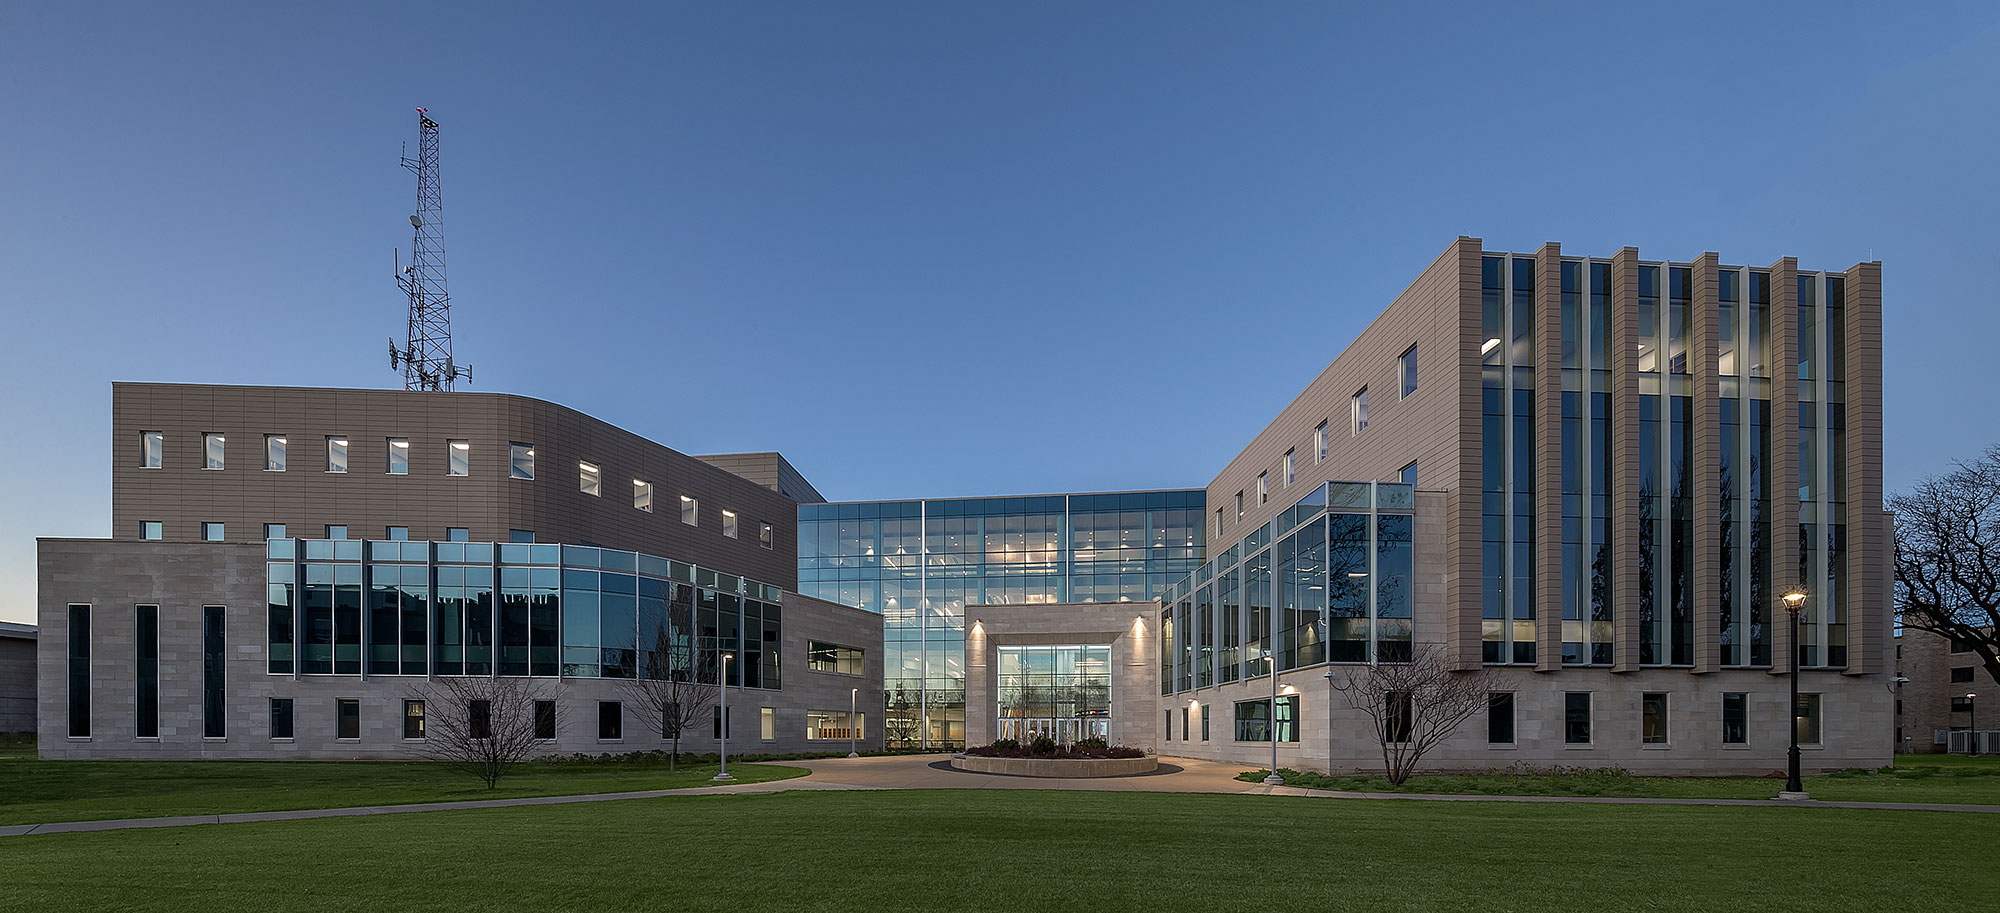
1942, 689
17, 678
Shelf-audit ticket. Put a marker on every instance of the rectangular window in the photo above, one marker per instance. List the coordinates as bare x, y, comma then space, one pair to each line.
1807, 719
729, 523
1959, 704
479, 719
588, 479
1357, 409
1500, 718
146, 631
719, 725
211, 532
413, 719
1653, 718
1186, 715
610, 721
520, 535
1217, 533
1239, 507
281, 718
458, 534
766, 535
1319, 443
458, 458
1735, 718
1204, 722
1263, 488
211, 450
1961, 646
1962, 674
396, 533
79, 671
828, 657
642, 495
212, 657
1291, 472
274, 453
1408, 475
152, 449
336, 454
521, 461
1407, 367
545, 720
1398, 716
834, 724
336, 531
399, 456
347, 711
151, 529
1576, 718
1167, 720
690, 511
767, 723
1253, 720
274, 530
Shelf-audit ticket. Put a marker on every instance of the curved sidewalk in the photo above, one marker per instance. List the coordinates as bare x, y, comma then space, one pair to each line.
927, 772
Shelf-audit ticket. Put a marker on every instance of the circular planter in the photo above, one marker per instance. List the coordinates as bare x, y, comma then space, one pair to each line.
1065, 768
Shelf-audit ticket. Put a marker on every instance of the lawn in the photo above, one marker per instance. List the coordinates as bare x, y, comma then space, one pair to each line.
33, 791
1915, 778
886, 852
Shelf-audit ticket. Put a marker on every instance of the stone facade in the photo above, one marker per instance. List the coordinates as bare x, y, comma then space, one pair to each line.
1126, 627
17, 678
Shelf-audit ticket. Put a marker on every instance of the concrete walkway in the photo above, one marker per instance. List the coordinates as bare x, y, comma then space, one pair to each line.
1177, 775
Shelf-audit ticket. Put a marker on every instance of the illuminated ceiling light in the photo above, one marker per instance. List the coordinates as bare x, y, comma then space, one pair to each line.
403, 444
460, 445
1490, 345
1357, 573
586, 467
642, 483
278, 440
686, 500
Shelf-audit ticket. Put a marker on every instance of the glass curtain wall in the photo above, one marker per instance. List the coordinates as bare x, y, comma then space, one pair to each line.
1062, 692
1507, 500
1822, 404
920, 563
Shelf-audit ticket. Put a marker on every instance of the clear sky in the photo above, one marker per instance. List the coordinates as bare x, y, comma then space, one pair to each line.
935, 249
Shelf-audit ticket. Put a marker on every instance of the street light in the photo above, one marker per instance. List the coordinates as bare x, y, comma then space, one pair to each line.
723, 743
1971, 726
1273, 779
1795, 602
853, 731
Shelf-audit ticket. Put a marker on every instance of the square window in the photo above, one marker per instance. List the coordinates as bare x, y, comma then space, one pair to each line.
347, 711
274, 453
281, 718
413, 719
589, 480
336, 454
521, 461
1500, 718
1358, 410
1735, 719
1653, 718
642, 495
152, 449
1576, 718
458, 458
1407, 367
396, 533
151, 529
336, 531
211, 450
399, 456
729, 523
690, 511
458, 534
274, 530
610, 720
211, 532
767, 535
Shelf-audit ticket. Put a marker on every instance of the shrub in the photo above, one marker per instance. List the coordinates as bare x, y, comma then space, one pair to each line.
1047, 748
1006, 745
1091, 744
1042, 745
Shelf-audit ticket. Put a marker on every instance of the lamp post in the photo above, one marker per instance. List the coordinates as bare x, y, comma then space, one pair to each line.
723, 686
1971, 726
853, 729
1795, 602
1273, 779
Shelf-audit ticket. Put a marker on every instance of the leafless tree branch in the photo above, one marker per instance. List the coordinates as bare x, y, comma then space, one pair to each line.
1414, 706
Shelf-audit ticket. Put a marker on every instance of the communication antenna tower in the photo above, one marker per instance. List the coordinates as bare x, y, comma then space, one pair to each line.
425, 358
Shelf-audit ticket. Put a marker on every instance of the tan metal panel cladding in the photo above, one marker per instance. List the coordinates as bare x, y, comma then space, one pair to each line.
1625, 579
1548, 458
1868, 532
1704, 406
1782, 478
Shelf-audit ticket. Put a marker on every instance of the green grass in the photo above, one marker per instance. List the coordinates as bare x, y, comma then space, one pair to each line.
1029, 851
33, 791
17, 746
1954, 779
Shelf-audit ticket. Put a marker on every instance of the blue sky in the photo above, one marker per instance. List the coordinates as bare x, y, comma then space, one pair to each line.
937, 249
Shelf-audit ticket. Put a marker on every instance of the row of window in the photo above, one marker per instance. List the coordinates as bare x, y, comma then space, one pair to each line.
146, 671
458, 462
215, 531
1254, 719
820, 725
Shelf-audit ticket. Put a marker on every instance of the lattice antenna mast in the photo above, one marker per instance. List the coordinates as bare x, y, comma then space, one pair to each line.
425, 359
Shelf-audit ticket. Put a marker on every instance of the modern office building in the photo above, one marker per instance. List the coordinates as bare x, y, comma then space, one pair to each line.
294, 565
920, 563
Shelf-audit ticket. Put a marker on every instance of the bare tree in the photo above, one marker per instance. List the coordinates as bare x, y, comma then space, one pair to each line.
480, 724
1414, 705
676, 688
1948, 557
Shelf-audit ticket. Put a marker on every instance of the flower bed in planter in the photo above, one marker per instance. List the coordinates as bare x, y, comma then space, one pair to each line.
1044, 758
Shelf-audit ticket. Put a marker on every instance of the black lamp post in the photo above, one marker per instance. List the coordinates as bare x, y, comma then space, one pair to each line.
1971, 725
1795, 602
